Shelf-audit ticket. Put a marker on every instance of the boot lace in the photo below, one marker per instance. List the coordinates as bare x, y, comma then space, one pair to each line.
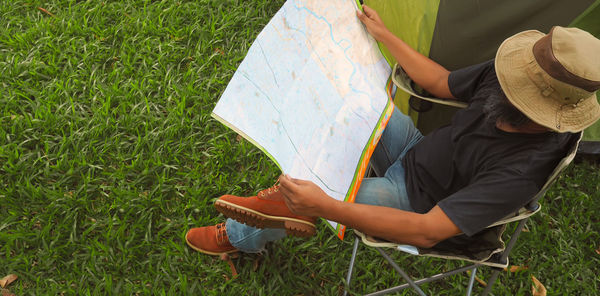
270, 190
221, 233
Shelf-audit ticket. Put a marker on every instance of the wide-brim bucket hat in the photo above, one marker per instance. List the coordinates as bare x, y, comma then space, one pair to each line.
552, 78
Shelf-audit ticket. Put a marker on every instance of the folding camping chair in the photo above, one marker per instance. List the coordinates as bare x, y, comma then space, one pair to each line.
495, 257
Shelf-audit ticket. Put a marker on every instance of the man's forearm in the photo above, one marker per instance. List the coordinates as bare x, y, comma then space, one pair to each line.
306, 198
421, 69
387, 223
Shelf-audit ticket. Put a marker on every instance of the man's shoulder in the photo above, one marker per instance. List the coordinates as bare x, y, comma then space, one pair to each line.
466, 82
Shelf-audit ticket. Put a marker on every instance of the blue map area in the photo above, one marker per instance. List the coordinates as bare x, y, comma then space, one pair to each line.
309, 92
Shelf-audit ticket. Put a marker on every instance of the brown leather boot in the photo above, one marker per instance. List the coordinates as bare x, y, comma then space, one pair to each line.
210, 240
266, 210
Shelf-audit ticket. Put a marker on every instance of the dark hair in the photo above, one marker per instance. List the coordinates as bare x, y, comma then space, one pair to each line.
498, 107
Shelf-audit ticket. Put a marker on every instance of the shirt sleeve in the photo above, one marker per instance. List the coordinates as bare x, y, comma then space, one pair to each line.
492, 197
464, 83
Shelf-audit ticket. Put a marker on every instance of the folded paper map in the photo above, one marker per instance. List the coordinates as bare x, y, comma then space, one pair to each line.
313, 92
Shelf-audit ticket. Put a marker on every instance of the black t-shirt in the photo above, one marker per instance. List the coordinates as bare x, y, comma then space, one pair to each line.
475, 172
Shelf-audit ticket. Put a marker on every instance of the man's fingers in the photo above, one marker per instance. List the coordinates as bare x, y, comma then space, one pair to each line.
286, 193
301, 182
369, 11
288, 196
297, 182
372, 15
287, 184
363, 17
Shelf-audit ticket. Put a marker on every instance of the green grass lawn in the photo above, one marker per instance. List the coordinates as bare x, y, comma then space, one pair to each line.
108, 155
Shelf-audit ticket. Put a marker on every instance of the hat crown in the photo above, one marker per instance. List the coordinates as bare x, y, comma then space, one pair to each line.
578, 51
552, 78
567, 56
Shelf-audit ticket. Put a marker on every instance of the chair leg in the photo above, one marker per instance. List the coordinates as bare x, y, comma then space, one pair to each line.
351, 267
491, 282
504, 256
471, 281
401, 272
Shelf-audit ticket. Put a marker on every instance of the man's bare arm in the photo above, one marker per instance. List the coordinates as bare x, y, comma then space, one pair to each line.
425, 72
423, 230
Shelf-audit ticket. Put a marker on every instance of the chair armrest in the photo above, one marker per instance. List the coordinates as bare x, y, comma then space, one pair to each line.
402, 81
520, 215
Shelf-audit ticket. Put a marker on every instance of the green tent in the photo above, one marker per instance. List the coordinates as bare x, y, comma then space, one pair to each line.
461, 33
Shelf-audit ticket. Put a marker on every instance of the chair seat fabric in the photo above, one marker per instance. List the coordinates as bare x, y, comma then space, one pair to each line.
491, 243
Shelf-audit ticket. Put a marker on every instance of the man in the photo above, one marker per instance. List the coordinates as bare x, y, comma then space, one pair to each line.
525, 108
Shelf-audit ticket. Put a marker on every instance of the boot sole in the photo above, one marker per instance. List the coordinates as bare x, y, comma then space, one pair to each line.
295, 227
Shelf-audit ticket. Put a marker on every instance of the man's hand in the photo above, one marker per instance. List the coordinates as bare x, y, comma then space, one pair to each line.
428, 74
304, 197
373, 22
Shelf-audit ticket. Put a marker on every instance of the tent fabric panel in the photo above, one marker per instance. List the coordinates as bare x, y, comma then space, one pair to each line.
469, 32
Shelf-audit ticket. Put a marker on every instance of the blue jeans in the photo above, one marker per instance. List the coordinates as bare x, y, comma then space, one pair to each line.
388, 191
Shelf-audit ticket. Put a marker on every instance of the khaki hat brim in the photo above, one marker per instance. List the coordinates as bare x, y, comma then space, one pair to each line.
514, 64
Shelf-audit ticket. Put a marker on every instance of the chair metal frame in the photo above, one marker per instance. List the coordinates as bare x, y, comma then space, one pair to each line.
414, 284
531, 208
502, 257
